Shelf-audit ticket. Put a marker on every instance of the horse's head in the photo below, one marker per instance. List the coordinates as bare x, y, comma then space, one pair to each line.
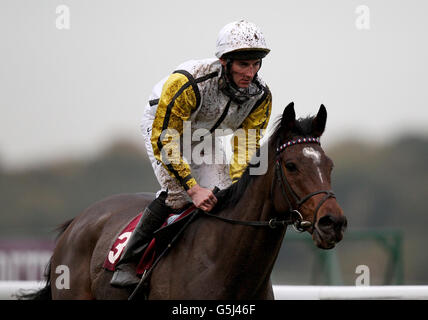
303, 177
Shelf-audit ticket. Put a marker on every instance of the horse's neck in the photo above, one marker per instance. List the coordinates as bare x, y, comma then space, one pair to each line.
227, 261
253, 250
255, 203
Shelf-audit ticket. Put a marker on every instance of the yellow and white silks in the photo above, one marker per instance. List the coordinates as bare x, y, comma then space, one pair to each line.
189, 102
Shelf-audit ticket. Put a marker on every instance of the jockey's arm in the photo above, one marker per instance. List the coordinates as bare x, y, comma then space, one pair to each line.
242, 152
176, 103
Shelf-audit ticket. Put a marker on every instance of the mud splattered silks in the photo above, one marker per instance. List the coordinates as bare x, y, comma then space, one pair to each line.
187, 105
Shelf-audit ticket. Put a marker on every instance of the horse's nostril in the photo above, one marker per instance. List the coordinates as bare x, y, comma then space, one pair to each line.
339, 223
345, 223
326, 221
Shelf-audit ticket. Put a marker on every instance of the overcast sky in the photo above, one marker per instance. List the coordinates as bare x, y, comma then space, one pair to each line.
73, 91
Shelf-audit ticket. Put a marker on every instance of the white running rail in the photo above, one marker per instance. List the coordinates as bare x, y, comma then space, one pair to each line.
350, 292
9, 288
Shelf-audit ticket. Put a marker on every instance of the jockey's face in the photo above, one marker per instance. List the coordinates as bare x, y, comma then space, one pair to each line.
243, 71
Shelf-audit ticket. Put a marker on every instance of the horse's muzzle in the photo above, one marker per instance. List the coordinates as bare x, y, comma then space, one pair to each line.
329, 230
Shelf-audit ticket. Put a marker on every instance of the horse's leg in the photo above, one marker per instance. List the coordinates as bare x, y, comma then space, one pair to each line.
267, 293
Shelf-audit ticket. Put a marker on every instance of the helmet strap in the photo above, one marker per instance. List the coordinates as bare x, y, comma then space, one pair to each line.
228, 71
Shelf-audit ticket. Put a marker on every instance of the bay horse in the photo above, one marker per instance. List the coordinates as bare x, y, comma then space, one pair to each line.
214, 259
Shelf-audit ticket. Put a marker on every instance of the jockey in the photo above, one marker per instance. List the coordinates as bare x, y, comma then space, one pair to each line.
200, 96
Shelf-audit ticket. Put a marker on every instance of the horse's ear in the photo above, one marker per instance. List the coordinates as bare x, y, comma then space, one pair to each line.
318, 124
288, 120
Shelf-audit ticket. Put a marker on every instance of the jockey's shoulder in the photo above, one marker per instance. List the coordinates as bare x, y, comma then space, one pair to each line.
200, 68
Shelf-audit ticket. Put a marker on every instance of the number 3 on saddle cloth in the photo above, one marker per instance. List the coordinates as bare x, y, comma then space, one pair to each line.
161, 239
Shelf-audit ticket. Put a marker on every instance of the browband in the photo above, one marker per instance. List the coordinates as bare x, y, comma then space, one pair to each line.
298, 141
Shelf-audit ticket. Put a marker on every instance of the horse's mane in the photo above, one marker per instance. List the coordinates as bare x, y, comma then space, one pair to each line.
230, 196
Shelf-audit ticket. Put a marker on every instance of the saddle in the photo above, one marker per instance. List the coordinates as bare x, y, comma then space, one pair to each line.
171, 229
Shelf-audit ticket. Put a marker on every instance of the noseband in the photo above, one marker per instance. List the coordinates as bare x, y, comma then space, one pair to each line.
294, 215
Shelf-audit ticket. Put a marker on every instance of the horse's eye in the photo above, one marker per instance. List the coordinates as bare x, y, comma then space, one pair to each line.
290, 166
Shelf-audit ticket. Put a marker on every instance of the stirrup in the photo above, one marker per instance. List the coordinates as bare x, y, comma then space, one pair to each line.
125, 276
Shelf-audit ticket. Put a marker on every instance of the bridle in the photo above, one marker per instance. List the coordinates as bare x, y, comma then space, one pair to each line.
294, 218
280, 177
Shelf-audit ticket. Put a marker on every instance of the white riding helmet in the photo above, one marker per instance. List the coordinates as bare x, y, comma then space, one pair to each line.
239, 38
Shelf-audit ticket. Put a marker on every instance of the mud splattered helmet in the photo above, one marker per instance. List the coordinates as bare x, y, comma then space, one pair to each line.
241, 40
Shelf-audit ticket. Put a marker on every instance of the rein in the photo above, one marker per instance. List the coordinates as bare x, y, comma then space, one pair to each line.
295, 217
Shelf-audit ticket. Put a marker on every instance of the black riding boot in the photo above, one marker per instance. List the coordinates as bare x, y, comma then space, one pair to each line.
152, 219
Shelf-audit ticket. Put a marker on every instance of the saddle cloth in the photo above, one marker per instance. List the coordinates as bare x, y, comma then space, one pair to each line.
149, 254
